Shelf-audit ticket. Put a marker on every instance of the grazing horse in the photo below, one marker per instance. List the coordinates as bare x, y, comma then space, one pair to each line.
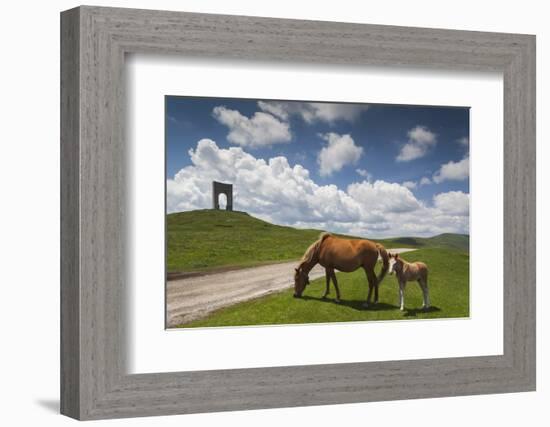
407, 272
347, 255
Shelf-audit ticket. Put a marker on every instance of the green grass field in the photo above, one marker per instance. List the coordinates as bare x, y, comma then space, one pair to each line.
205, 240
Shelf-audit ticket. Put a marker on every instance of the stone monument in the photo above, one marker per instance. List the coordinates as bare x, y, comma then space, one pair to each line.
221, 188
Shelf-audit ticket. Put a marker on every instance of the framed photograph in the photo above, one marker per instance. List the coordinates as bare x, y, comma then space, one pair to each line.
269, 200
343, 212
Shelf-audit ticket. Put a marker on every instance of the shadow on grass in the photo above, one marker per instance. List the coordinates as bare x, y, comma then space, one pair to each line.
414, 311
355, 304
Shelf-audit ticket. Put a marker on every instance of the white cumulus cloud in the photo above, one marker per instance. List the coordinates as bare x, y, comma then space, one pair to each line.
425, 181
453, 171
261, 129
465, 141
453, 202
278, 192
270, 189
339, 152
311, 112
411, 185
364, 173
384, 196
420, 141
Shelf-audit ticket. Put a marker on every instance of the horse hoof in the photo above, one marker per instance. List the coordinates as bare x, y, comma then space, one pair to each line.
365, 305
337, 301
324, 297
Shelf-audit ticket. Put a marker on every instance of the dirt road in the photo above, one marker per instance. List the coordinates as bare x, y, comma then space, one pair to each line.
194, 297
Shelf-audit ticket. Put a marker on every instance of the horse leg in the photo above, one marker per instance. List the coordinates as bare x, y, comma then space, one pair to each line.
402, 295
333, 276
327, 276
371, 277
367, 302
375, 280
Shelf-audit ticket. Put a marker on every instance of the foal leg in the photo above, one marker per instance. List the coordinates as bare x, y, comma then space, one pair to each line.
402, 295
425, 293
333, 276
327, 276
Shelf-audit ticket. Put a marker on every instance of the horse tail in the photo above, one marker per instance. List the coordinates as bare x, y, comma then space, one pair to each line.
385, 262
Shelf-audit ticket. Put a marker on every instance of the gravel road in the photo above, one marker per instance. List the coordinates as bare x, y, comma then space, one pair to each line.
195, 297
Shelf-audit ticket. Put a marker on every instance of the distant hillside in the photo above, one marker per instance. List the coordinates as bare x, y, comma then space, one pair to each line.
208, 239
445, 240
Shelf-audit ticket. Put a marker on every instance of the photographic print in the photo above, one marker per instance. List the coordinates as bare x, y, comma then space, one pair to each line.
297, 212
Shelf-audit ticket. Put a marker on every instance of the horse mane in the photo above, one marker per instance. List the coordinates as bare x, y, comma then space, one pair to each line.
313, 249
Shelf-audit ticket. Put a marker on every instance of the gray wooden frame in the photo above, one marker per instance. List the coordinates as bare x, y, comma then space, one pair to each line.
94, 41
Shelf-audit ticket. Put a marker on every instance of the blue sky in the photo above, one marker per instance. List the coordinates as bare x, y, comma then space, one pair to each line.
367, 169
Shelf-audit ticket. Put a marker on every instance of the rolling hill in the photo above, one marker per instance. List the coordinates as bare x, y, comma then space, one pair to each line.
203, 240
445, 240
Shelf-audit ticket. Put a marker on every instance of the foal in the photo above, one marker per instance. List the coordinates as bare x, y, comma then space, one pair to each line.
407, 272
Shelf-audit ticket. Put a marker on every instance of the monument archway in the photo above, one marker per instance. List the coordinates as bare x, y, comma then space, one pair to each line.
222, 188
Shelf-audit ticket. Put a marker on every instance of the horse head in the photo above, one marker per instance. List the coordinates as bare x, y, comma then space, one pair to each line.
301, 280
396, 263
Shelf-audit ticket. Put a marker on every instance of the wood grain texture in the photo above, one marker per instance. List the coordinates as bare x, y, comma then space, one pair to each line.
94, 382
70, 263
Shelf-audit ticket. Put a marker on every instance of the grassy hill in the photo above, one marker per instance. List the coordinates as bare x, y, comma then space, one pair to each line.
445, 240
207, 239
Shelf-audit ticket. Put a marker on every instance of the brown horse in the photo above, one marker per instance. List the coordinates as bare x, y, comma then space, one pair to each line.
408, 272
347, 255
